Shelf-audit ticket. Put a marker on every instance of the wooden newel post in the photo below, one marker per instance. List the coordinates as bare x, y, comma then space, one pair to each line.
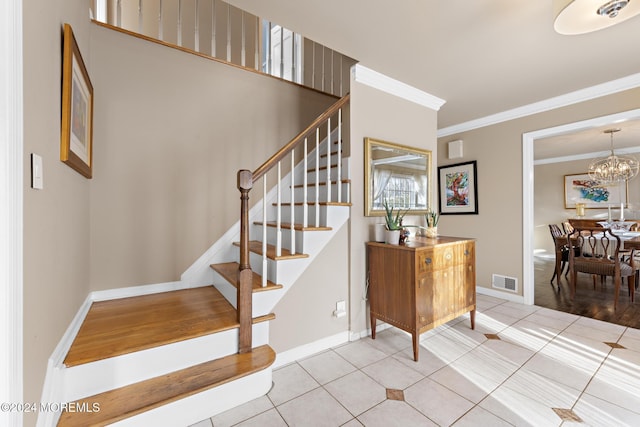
245, 286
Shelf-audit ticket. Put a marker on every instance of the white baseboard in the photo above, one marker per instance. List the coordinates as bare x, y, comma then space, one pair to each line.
306, 350
380, 326
499, 294
136, 291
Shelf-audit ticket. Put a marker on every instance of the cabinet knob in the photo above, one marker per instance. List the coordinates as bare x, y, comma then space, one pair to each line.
466, 252
448, 256
427, 260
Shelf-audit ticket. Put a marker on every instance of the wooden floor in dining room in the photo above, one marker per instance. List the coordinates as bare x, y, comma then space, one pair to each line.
589, 302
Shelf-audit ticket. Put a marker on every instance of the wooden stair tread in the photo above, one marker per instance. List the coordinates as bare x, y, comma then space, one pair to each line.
116, 327
255, 246
297, 227
125, 402
313, 184
229, 270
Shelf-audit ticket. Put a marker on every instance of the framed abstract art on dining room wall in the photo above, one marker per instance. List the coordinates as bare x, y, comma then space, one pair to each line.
580, 188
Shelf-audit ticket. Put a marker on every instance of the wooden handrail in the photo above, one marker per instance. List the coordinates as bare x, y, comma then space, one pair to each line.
245, 182
280, 154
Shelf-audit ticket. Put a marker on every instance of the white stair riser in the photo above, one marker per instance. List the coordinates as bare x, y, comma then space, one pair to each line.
201, 406
322, 173
262, 302
298, 193
130, 368
298, 213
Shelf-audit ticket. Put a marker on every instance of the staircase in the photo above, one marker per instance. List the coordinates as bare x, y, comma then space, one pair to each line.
176, 358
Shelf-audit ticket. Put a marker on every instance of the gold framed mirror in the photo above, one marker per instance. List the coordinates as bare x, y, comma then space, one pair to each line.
396, 173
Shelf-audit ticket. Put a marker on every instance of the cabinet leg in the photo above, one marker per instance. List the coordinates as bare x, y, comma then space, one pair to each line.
373, 327
472, 314
416, 345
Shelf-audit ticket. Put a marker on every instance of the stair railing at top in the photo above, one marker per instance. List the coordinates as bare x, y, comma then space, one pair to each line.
246, 180
224, 32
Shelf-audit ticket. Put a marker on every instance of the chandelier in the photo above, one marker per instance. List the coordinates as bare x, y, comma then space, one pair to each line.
584, 16
614, 168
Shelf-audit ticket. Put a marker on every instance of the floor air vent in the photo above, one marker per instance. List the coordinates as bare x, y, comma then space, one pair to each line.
506, 283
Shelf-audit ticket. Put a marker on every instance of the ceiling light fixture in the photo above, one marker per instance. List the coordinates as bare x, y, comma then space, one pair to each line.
613, 169
584, 16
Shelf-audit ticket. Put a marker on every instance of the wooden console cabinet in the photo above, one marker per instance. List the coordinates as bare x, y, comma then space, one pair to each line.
422, 284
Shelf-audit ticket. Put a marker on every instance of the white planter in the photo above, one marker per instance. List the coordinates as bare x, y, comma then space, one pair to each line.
392, 237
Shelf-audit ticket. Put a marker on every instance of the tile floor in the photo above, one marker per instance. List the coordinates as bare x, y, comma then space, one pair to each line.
522, 366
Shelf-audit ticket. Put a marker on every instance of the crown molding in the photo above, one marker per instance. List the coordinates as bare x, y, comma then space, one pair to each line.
597, 91
376, 80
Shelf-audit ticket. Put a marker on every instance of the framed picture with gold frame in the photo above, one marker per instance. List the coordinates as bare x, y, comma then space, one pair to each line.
76, 138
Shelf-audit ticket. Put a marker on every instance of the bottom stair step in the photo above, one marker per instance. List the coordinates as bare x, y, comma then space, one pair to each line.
125, 402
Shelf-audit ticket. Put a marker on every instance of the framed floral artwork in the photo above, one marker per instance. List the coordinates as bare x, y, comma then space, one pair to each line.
458, 188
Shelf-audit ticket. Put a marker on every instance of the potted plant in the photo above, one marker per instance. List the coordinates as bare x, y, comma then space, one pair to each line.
431, 219
393, 223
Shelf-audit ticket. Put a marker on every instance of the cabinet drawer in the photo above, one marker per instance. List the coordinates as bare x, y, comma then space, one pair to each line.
446, 257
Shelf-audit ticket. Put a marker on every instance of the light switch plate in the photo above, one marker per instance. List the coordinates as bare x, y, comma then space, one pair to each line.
37, 180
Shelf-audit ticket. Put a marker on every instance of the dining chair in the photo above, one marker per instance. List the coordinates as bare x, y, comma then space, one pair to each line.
561, 250
598, 253
567, 227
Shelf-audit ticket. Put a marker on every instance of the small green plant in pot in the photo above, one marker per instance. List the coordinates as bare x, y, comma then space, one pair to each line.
431, 219
393, 220
393, 223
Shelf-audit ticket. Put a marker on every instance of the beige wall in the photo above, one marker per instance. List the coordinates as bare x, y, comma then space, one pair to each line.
56, 219
305, 313
174, 130
498, 151
382, 116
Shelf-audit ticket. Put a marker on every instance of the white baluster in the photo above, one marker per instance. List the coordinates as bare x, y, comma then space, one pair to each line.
317, 178
305, 205
228, 32
341, 73
179, 22
323, 72
333, 72
281, 52
339, 174
160, 27
328, 165
213, 28
293, 57
279, 213
269, 51
140, 20
292, 229
119, 14
196, 35
264, 231
243, 52
256, 49
313, 64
